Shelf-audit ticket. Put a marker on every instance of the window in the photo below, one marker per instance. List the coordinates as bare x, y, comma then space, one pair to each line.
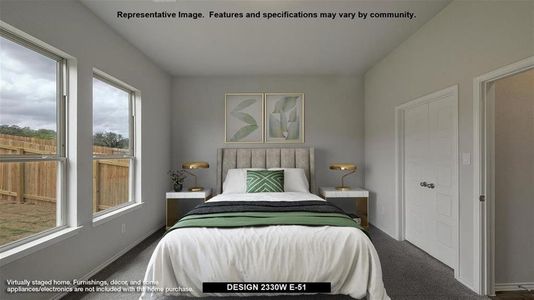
113, 144
32, 141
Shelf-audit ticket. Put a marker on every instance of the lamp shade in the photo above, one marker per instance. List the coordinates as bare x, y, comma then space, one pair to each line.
343, 167
195, 165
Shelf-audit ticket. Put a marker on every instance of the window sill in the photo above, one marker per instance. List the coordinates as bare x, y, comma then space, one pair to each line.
28, 248
101, 219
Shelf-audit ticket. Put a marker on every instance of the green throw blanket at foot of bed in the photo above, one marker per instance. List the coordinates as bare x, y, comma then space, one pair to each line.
247, 219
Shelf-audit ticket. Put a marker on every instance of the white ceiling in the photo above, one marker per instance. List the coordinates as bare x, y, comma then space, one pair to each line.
187, 47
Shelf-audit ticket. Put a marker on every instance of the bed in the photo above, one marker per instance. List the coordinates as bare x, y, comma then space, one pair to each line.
315, 244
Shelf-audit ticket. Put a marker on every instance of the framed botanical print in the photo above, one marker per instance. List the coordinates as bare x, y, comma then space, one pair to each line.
284, 117
243, 122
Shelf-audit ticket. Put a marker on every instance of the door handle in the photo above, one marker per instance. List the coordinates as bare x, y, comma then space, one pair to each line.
423, 184
431, 185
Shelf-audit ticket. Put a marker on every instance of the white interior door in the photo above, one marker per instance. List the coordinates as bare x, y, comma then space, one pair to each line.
431, 176
417, 205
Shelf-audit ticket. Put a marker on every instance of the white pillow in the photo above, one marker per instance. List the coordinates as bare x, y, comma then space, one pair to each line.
294, 180
236, 180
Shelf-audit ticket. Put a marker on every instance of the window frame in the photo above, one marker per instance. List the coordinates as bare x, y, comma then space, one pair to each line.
60, 157
132, 135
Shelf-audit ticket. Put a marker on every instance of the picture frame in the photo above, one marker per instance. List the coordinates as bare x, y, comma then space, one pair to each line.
243, 119
284, 118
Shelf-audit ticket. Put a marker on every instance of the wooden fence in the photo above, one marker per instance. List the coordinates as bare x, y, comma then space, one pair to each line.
110, 183
36, 181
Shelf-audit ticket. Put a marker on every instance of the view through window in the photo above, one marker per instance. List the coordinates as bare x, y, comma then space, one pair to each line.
112, 144
30, 97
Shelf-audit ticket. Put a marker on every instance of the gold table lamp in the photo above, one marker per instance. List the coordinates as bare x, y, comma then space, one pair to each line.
195, 165
343, 167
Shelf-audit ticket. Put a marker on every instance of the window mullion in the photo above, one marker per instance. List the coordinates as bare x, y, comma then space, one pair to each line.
131, 124
126, 156
29, 158
62, 109
131, 179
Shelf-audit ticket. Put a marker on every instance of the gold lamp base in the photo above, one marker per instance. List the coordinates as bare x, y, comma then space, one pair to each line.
351, 168
195, 165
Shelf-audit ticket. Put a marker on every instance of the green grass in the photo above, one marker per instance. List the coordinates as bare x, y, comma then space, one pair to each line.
20, 220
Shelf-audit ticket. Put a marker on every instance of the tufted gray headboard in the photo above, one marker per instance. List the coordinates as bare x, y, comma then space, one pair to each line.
231, 158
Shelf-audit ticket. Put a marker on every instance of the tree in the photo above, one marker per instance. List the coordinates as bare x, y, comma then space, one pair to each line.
45, 134
110, 139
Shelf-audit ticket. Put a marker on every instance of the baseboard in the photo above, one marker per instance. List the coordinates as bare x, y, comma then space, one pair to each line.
513, 286
465, 283
111, 259
395, 237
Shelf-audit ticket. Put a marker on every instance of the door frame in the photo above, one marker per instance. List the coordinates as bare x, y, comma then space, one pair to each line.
399, 163
483, 177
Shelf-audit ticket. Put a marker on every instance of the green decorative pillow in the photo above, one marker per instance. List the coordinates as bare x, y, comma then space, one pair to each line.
265, 181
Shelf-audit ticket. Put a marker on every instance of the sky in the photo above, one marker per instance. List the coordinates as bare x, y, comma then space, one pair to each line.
28, 93
110, 108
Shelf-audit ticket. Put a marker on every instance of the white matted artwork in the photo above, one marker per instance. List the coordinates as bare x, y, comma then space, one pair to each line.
284, 117
243, 120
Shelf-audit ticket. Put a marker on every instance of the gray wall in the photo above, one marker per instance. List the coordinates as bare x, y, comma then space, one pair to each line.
466, 39
514, 178
71, 27
333, 120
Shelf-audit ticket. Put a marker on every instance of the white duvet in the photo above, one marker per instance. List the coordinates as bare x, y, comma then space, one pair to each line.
344, 256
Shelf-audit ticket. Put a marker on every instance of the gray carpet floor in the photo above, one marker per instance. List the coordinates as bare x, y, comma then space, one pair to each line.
408, 273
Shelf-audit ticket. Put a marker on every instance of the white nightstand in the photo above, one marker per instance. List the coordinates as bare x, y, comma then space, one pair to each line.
171, 207
361, 196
